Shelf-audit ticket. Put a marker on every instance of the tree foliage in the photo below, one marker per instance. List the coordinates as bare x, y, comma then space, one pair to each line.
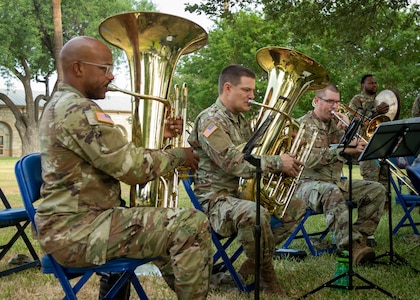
27, 48
349, 38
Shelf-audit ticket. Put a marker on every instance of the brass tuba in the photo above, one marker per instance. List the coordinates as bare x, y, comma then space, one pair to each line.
153, 42
290, 74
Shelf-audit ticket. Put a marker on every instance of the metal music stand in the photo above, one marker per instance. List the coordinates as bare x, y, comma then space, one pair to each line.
347, 138
393, 139
253, 141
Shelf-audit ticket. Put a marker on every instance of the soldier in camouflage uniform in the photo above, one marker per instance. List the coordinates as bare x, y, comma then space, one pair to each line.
84, 158
219, 135
364, 104
322, 186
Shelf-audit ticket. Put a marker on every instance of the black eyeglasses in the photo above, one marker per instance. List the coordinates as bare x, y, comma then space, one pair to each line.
107, 68
329, 101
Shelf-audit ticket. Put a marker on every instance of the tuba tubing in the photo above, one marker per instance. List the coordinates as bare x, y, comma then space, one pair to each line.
290, 75
152, 42
302, 150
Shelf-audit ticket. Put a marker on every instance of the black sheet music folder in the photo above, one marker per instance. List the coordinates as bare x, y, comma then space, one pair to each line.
393, 139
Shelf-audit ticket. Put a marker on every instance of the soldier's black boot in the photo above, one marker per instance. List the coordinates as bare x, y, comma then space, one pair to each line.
106, 283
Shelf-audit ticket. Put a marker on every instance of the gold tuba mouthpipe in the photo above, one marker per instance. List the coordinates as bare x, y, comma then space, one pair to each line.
113, 88
252, 102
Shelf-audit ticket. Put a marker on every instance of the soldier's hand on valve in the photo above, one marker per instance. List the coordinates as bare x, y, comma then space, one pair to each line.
191, 159
291, 166
173, 127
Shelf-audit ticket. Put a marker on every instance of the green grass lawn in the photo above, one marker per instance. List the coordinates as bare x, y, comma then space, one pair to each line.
297, 277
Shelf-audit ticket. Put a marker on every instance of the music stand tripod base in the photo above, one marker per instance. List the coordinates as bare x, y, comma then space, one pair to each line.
347, 138
393, 139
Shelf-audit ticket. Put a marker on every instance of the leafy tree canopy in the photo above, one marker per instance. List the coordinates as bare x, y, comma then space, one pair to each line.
349, 38
27, 47
27, 30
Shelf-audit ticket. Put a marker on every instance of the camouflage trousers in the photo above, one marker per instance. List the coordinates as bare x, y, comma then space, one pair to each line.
369, 197
180, 237
292, 216
229, 215
371, 171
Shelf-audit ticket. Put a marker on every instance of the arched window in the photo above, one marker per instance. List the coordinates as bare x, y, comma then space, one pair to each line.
4, 139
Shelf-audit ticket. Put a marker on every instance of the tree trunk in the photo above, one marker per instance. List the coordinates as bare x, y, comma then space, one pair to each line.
58, 37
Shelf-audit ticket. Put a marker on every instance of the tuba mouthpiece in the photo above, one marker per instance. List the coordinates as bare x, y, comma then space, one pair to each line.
112, 88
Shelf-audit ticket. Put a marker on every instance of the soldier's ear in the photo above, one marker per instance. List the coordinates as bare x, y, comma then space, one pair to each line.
77, 68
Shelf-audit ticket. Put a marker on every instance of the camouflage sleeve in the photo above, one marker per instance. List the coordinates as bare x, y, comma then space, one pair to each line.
98, 141
362, 106
214, 139
355, 103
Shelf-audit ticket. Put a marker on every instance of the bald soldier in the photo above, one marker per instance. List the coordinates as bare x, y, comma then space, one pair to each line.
84, 158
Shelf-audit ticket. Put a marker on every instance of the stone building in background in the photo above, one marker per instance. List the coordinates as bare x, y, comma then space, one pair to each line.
117, 105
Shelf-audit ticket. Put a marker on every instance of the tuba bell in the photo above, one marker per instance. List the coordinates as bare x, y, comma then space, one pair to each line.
290, 75
153, 42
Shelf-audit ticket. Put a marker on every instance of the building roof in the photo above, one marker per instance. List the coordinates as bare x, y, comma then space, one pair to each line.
114, 101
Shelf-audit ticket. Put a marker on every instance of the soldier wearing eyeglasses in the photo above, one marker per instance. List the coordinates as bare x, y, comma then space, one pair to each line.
82, 220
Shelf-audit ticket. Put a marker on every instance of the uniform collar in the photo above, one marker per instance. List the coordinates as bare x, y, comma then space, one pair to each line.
236, 118
63, 87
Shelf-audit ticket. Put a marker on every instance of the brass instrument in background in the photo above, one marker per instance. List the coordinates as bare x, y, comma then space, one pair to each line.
397, 172
153, 42
290, 75
386, 96
393, 100
369, 123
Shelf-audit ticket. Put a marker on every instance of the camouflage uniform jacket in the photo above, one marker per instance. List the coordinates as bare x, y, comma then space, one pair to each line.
84, 157
219, 137
325, 162
364, 104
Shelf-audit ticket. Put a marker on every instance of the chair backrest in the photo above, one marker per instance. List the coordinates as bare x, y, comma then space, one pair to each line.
29, 177
413, 173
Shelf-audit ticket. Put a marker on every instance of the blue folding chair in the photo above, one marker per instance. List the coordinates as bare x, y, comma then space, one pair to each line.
28, 174
301, 232
221, 260
408, 201
18, 218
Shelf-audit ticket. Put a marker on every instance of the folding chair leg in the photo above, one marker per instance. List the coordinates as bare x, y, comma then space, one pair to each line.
408, 217
5, 248
306, 236
114, 285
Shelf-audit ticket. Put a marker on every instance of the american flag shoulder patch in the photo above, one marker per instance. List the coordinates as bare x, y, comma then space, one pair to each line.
211, 128
104, 118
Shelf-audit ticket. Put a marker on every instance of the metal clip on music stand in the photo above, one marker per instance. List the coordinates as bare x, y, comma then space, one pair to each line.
393, 139
345, 141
